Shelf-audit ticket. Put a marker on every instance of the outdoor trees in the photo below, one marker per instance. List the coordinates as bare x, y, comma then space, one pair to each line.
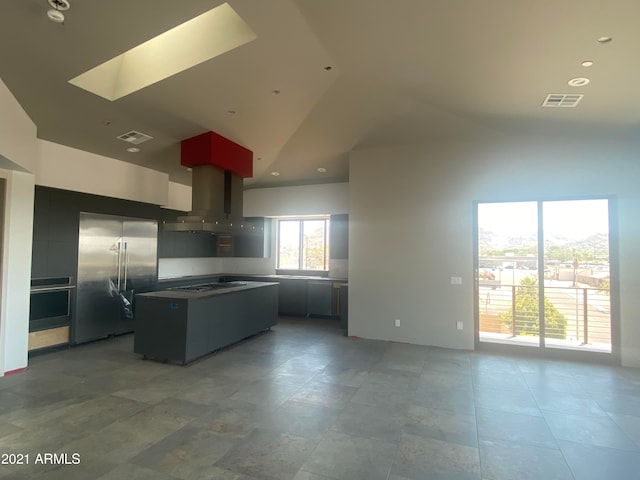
527, 313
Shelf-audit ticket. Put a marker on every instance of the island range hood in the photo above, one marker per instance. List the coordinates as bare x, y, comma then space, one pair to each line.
218, 167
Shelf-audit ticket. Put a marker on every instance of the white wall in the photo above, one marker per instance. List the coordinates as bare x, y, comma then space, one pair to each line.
18, 154
329, 198
68, 168
411, 227
17, 133
16, 270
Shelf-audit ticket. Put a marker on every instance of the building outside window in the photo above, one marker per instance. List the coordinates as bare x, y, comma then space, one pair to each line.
303, 243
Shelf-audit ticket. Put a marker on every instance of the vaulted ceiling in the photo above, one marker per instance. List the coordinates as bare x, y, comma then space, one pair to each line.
324, 77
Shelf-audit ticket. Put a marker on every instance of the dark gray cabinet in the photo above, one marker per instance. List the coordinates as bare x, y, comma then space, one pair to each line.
339, 236
292, 299
319, 297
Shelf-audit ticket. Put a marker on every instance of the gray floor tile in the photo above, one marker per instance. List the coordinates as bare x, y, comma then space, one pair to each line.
134, 472
269, 454
488, 380
325, 394
186, 453
306, 402
346, 457
209, 390
265, 392
630, 424
450, 400
506, 460
300, 419
445, 380
569, 403
515, 427
590, 462
623, 403
512, 401
342, 375
399, 400
600, 431
420, 457
370, 422
447, 426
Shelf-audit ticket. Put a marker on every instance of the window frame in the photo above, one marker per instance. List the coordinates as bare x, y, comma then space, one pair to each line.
301, 250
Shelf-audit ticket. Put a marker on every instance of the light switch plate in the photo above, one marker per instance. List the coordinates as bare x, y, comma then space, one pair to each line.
459, 325
456, 280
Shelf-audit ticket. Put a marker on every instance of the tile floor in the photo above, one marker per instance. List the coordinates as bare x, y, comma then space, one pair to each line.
304, 402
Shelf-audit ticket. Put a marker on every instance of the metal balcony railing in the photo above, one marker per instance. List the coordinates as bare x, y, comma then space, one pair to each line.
574, 315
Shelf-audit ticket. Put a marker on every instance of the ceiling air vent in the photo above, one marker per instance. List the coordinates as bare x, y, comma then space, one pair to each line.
134, 137
562, 100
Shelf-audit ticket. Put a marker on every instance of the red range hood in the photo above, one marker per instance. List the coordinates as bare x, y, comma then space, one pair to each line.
218, 166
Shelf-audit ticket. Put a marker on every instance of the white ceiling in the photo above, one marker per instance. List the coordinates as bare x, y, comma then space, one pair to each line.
403, 71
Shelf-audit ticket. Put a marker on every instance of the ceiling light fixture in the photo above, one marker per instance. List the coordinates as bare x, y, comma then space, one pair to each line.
275, 174
133, 149
579, 82
57, 7
604, 39
587, 63
321, 169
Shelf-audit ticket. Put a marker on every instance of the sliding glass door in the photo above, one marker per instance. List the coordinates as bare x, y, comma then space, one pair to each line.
543, 276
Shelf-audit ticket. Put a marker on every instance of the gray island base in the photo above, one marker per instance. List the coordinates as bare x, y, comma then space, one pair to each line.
183, 324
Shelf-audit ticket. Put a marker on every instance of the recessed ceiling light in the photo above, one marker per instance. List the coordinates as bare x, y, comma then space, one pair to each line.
321, 169
133, 149
275, 174
587, 63
604, 39
578, 82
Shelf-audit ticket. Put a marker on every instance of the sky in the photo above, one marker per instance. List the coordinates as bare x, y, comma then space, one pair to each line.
574, 219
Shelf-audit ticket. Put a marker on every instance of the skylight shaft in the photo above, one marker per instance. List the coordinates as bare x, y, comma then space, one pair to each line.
197, 40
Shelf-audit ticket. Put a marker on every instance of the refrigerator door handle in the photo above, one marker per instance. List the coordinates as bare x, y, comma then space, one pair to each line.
126, 266
119, 265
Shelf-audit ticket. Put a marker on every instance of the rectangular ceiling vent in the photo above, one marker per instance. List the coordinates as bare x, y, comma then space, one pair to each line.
134, 137
562, 100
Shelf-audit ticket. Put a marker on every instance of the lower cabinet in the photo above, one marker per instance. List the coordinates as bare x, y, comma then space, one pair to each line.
292, 298
319, 297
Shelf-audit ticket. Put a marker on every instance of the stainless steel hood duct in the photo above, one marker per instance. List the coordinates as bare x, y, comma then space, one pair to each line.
216, 191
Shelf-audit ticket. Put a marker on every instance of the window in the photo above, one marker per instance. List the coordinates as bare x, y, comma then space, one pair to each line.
303, 243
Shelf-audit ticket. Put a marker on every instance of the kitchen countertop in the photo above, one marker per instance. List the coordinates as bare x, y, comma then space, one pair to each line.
179, 293
196, 278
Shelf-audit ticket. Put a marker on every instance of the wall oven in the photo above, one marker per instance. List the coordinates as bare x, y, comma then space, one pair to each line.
50, 303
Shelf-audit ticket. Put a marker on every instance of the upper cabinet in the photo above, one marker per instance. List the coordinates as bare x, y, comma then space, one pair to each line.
339, 236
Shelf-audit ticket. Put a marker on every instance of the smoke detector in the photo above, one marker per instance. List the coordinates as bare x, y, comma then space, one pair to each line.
57, 7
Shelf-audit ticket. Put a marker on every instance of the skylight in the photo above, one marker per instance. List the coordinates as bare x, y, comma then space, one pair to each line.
197, 40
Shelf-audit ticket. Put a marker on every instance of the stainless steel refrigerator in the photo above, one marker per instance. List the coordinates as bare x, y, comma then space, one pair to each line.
117, 258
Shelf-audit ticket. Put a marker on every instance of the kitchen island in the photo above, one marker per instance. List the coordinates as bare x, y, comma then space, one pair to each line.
184, 323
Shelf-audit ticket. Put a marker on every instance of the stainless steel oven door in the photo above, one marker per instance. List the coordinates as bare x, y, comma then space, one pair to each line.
50, 306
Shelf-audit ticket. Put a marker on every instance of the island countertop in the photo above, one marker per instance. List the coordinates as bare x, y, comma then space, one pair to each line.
193, 292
